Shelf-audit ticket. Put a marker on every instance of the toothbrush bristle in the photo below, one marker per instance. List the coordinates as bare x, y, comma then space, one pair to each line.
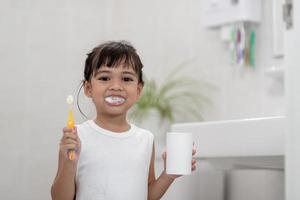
70, 99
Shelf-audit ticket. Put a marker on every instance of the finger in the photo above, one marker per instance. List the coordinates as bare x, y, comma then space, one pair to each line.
69, 147
194, 151
70, 141
66, 129
76, 134
68, 135
193, 167
74, 130
194, 161
69, 138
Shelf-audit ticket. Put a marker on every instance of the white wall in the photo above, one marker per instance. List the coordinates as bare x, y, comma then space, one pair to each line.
43, 47
293, 107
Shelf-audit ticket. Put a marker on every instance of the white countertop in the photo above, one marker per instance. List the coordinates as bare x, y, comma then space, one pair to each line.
247, 140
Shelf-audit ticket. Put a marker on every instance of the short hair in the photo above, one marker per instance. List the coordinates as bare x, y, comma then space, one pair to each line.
112, 54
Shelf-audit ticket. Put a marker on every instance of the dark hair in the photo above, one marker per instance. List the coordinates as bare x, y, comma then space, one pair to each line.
111, 54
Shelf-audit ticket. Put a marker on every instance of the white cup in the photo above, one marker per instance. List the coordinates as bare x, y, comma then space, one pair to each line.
179, 153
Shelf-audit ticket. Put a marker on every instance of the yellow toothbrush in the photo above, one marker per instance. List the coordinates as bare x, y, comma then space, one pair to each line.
71, 123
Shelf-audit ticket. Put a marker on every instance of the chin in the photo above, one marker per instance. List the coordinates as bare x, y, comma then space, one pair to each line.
116, 113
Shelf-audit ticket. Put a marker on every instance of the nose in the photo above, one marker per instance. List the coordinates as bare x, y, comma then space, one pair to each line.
116, 85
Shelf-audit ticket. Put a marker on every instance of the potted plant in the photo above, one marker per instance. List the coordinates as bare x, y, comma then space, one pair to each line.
177, 99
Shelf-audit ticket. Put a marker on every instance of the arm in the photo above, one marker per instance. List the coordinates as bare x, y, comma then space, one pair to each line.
63, 187
158, 187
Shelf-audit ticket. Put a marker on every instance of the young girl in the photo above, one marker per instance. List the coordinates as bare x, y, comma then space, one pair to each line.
114, 160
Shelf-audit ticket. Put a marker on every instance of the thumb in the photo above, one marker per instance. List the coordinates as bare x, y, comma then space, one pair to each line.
164, 155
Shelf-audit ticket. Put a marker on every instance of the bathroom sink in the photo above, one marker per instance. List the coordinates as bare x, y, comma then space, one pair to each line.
246, 140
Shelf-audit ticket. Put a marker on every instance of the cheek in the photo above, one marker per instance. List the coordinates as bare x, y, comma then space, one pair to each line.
135, 93
131, 96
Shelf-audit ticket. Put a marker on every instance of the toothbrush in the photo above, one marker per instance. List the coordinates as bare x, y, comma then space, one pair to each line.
232, 46
242, 45
252, 49
70, 123
238, 41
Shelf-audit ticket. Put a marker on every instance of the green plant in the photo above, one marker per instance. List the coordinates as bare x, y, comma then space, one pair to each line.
176, 98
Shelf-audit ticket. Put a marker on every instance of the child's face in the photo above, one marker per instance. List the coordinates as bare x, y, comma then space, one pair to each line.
113, 90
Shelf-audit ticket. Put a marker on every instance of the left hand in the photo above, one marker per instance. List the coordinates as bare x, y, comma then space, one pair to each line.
174, 176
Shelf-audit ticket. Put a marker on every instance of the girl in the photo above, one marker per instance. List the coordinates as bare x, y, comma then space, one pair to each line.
114, 160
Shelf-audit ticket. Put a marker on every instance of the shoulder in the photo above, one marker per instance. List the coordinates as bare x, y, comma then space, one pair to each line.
83, 128
144, 132
83, 124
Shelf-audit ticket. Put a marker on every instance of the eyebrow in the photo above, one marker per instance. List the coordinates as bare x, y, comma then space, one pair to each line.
102, 71
130, 73
107, 71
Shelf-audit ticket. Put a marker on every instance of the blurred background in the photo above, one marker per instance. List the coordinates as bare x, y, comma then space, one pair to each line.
44, 46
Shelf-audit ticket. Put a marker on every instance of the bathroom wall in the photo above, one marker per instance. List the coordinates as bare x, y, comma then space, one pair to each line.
43, 46
292, 159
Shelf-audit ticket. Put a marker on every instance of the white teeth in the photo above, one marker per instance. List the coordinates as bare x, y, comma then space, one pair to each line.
114, 100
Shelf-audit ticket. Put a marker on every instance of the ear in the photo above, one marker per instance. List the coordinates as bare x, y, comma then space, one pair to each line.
139, 90
87, 88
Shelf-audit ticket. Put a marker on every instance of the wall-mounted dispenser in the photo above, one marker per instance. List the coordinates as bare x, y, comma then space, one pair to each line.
220, 12
237, 20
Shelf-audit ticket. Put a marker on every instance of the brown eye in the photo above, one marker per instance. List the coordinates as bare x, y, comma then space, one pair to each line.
103, 78
127, 79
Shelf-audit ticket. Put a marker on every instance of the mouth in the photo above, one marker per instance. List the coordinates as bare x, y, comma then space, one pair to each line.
114, 100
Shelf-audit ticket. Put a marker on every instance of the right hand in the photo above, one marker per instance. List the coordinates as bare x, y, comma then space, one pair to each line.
69, 141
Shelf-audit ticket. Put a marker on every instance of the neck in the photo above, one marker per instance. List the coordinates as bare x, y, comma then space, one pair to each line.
115, 124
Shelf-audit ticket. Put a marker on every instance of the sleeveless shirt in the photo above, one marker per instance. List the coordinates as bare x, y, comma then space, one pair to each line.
113, 166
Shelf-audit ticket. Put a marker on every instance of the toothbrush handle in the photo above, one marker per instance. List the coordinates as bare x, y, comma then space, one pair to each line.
71, 152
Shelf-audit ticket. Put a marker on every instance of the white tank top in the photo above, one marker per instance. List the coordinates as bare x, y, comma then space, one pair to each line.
113, 166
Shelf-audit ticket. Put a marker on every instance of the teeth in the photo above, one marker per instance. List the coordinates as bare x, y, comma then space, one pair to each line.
114, 100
